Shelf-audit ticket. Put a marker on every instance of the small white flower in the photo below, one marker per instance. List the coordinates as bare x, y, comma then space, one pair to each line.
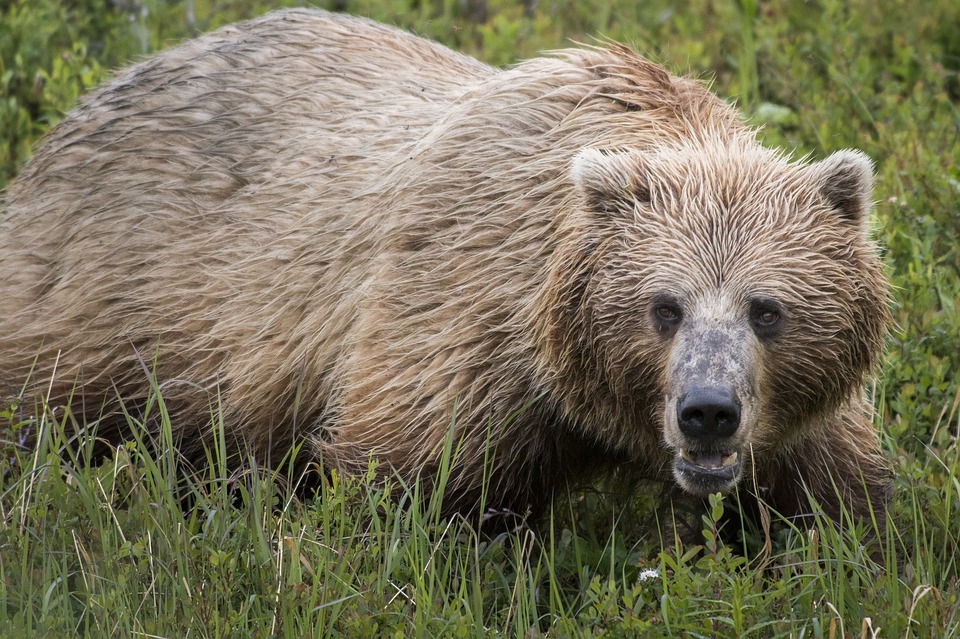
647, 574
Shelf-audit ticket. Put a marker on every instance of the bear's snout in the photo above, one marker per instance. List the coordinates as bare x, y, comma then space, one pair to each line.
708, 458
709, 415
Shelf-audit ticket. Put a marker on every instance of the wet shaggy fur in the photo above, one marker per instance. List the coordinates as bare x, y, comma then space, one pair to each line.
323, 230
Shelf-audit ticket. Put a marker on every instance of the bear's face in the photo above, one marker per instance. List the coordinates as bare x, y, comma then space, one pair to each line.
726, 297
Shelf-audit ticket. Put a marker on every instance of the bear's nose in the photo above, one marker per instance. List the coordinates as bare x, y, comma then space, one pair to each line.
709, 414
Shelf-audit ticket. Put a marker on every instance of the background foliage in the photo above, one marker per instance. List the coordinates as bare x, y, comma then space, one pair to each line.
113, 550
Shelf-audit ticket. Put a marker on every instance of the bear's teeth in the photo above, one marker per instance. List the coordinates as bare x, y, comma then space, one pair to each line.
730, 459
709, 460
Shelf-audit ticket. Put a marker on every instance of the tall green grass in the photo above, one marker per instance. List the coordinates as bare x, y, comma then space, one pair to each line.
141, 546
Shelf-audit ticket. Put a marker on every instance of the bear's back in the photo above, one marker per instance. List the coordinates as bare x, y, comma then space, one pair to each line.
211, 114
181, 166
178, 146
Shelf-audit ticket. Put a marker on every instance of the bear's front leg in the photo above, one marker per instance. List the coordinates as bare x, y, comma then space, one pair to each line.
841, 467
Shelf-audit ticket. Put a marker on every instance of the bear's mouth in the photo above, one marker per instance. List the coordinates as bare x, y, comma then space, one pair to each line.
702, 472
711, 460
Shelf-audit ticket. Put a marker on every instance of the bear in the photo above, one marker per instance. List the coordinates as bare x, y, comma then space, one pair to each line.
323, 232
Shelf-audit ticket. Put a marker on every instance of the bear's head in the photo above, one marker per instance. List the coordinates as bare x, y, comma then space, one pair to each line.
714, 301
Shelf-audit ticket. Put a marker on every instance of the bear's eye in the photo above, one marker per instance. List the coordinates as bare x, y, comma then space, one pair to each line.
667, 313
765, 316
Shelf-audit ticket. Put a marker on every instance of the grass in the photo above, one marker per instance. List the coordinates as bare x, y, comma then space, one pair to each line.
136, 546
139, 546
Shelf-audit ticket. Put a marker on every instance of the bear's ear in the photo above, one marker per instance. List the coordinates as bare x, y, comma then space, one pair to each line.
845, 179
610, 181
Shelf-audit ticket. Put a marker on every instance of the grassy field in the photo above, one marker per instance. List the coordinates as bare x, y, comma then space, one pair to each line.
136, 547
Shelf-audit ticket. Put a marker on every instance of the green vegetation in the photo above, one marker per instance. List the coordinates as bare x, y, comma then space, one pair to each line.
136, 547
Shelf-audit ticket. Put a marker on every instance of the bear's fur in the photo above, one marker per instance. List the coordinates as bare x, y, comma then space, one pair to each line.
322, 229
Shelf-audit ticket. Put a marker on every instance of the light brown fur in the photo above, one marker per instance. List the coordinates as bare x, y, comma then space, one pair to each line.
333, 231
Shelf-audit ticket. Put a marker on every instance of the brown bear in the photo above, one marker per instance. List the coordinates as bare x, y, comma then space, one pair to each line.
319, 229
